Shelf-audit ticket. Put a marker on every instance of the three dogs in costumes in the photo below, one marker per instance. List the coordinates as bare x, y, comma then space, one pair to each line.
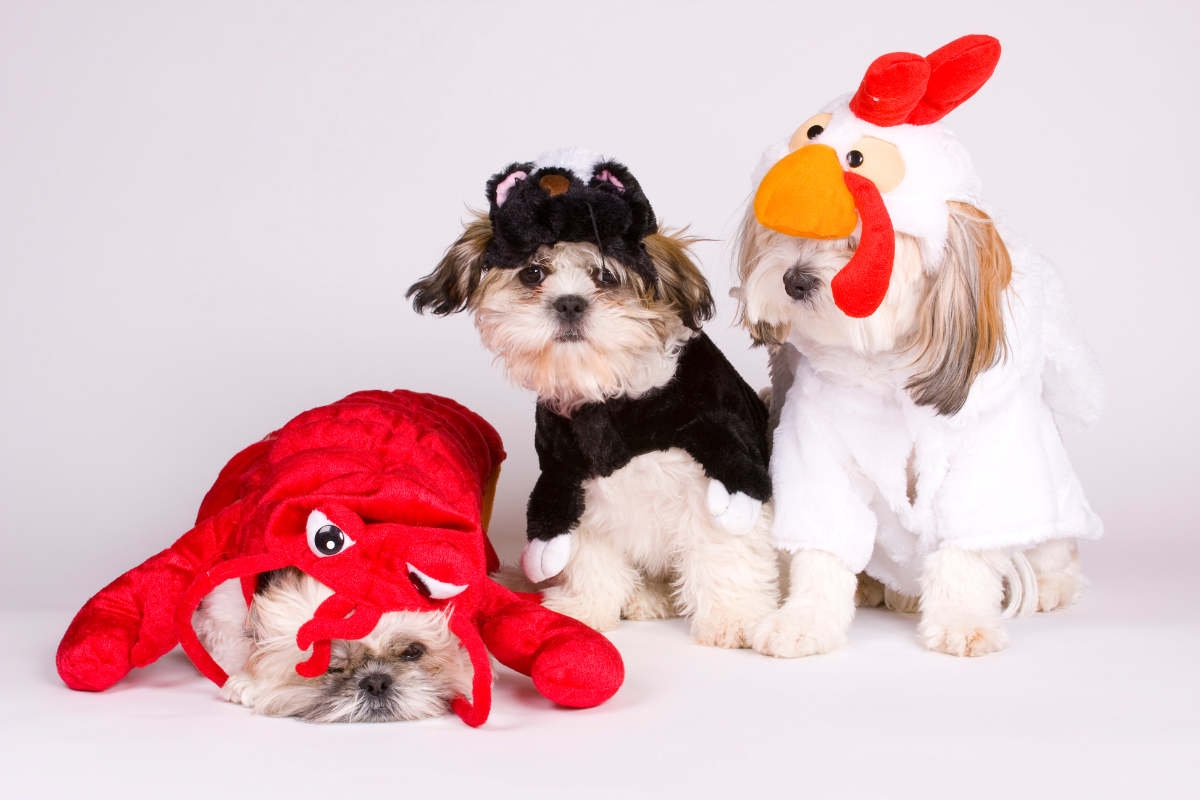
922, 361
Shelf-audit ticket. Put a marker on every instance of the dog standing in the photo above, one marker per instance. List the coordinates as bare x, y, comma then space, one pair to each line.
921, 362
653, 492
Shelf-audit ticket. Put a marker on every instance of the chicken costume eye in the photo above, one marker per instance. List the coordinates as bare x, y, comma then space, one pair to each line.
325, 538
811, 129
877, 161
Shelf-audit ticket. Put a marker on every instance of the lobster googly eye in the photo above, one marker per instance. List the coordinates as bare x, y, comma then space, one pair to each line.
325, 538
432, 587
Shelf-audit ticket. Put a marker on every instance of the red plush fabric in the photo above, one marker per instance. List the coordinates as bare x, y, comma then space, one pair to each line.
891, 89
958, 70
904, 88
859, 287
403, 475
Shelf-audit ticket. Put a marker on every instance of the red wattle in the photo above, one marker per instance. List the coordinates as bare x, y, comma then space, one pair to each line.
859, 287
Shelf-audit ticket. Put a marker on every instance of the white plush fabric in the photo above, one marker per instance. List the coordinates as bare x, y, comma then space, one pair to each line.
994, 475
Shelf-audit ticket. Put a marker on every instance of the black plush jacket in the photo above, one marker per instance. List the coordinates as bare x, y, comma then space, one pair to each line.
706, 410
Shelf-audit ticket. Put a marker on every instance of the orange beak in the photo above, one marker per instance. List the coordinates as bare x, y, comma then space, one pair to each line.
805, 195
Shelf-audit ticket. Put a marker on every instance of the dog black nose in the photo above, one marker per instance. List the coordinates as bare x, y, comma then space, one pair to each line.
799, 284
376, 684
570, 307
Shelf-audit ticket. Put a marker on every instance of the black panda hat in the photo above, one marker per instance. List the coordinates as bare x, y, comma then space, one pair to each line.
569, 196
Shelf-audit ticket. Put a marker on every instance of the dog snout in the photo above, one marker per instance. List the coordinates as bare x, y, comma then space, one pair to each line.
376, 684
570, 308
799, 284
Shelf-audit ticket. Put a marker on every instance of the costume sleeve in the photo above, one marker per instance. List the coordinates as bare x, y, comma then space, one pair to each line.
569, 662
816, 504
557, 501
131, 622
730, 450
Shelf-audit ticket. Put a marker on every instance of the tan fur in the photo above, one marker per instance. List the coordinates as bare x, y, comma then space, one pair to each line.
962, 321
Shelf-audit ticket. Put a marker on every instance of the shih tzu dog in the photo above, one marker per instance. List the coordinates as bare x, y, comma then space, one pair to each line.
410, 667
921, 362
652, 499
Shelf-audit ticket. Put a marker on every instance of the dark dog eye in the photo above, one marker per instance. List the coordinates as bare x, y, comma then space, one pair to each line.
854, 158
606, 277
532, 276
815, 131
336, 670
413, 652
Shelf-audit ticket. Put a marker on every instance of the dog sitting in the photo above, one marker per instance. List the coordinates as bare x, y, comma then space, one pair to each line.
653, 492
411, 666
920, 362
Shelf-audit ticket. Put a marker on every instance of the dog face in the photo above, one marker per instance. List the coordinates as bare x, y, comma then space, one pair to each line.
570, 324
410, 667
942, 315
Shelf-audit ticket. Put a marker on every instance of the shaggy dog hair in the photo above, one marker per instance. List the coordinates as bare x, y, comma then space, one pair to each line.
939, 327
654, 539
410, 667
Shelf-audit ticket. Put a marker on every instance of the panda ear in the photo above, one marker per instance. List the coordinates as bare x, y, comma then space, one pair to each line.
503, 182
606, 175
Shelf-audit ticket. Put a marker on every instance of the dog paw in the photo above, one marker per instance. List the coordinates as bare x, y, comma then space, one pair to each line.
724, 630
650, 601
543, 559
736, 513
1059, 589
868, 593
963, 637
239, 689
792, 633
904, 603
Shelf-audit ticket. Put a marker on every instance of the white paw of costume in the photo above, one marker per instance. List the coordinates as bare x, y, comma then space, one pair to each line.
542, 559
736, 513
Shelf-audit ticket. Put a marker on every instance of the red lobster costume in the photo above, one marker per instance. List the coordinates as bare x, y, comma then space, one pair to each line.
384, 497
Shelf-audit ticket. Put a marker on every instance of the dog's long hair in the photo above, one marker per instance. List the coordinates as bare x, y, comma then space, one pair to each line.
947, 318
626, 343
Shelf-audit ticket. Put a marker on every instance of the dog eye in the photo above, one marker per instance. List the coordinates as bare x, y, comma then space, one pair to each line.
606, 277
413, 652
531, 276
325, 538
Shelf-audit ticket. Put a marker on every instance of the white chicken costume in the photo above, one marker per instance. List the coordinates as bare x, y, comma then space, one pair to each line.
994, 474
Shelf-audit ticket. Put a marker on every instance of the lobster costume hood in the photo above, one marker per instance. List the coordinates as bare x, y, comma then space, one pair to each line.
384, 497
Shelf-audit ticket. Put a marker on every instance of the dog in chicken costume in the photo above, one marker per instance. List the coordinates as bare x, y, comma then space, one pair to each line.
382, 497
922, 360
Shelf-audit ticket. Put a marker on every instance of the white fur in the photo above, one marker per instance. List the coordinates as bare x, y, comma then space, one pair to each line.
581, 162
260, 656
647, 524
621, 353
933, 506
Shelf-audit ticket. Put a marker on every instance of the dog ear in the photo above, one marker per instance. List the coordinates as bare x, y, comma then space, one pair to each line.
747, 251
962, 317
680, 282
449, 287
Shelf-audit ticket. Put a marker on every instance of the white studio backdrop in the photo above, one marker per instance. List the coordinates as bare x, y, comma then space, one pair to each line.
210, 212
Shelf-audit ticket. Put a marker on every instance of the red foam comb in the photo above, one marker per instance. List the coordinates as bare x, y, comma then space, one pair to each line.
904, 88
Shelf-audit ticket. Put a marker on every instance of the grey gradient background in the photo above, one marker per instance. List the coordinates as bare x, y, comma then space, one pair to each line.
209, 215
210, 212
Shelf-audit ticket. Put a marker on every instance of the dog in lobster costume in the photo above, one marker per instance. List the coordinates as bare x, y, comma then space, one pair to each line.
921, 361
382, 499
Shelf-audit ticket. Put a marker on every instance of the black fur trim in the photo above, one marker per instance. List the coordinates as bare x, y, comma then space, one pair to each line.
706, 410
531, 218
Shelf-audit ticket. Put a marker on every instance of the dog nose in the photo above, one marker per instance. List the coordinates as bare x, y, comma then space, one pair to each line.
799, 284
376, 684
570, 307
